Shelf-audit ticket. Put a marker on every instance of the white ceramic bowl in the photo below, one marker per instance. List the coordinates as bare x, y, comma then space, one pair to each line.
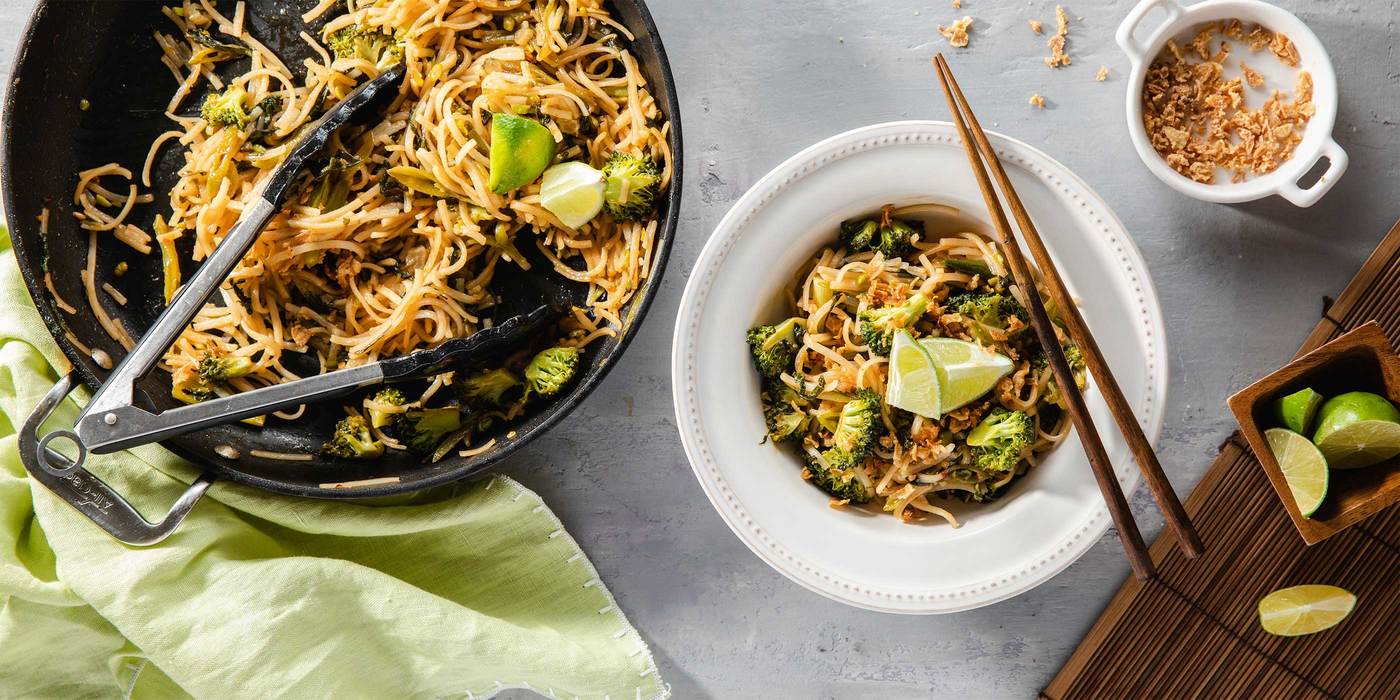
1050, 517
1317, 141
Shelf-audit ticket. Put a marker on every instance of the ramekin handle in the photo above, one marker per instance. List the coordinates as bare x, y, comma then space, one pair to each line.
1135, 50
1306, 197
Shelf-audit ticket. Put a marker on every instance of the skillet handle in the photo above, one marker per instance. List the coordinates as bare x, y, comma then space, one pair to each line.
88, 494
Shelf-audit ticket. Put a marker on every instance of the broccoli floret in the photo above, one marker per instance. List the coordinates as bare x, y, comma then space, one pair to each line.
491, 388
211, 50
969, 267
353, 440
192, 390
897, 239
550, 371
213, 370
859, 236
997, 442
422, 430
1075, 357
878, 325
226, 108
837, 481
991, 310
892, 237
774, 348
367, 44
786, 414
390, 396
630, 185
856, 430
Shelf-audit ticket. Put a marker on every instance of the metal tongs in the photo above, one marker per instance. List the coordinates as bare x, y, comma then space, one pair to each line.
113, 422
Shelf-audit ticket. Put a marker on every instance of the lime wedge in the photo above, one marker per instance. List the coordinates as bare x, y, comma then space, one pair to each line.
1357, 429
1303, 466
1290, 612
1297, 410
573, 192
966, 371
1360, 444
520, 150
913, 384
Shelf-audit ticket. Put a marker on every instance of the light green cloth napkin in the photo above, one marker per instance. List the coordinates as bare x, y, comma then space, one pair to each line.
262, 596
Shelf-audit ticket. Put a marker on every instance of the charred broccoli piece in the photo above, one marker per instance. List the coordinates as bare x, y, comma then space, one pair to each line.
985, 311
997, 442
550, 371
210, 50
490, 388
838, 482
213, 370
353, 439
969, 267
630, 183
859, 236
226, 108
878, 325
856, 431
332, 187
423, 429
774, 348
192, 390
786, 414
390, 396
367, 44
892, 237
896, 239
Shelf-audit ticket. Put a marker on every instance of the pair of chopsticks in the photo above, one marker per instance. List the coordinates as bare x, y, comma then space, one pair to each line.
979, 148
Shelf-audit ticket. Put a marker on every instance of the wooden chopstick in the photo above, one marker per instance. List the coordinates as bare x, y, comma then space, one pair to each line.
1123, 521
1176, 518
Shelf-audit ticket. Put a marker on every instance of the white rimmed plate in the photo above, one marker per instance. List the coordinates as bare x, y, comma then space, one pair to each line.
1049, 518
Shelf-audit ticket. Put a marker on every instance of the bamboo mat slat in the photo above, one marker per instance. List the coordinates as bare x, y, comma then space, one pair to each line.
1193, 631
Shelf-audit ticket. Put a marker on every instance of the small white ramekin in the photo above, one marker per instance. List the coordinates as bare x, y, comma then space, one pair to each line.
1317, 142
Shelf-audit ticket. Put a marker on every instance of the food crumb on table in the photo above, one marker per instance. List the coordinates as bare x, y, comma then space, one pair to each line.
1036, 27
1058, 57
1037, 101
956, 33
957, 4
1102, 75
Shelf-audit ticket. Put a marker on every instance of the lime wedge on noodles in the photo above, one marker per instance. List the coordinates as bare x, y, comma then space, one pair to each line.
1291, 612
573, 192
1303, 467
966, 371
913, 384
1297, 410
1357, 429
520, 150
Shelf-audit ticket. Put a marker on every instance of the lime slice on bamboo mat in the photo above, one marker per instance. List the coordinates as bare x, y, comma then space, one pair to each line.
520, 150
1303, 466
966, 371
1290, 612
573, 192
1298, 410
913, 384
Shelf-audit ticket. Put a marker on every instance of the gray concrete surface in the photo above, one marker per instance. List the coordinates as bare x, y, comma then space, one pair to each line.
1240, 287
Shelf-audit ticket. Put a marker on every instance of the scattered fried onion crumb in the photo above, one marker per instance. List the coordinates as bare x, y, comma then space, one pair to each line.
1058, 57
1251, 76
956, 33
1102, 75
1036, 27
1198, 120
957, 4
1037, 101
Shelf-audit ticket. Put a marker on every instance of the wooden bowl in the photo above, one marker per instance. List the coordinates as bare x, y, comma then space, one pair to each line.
1362, 360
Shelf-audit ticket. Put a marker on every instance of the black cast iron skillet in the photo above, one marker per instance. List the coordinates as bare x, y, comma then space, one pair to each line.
103, 52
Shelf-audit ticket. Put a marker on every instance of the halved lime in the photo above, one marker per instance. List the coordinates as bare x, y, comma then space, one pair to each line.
1303, 466
1357, 429
520, 150
1297, 410
1291, 612
572, 191
966, 371
913, 383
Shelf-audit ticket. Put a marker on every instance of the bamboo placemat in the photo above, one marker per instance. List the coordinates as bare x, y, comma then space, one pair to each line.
1193, 631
